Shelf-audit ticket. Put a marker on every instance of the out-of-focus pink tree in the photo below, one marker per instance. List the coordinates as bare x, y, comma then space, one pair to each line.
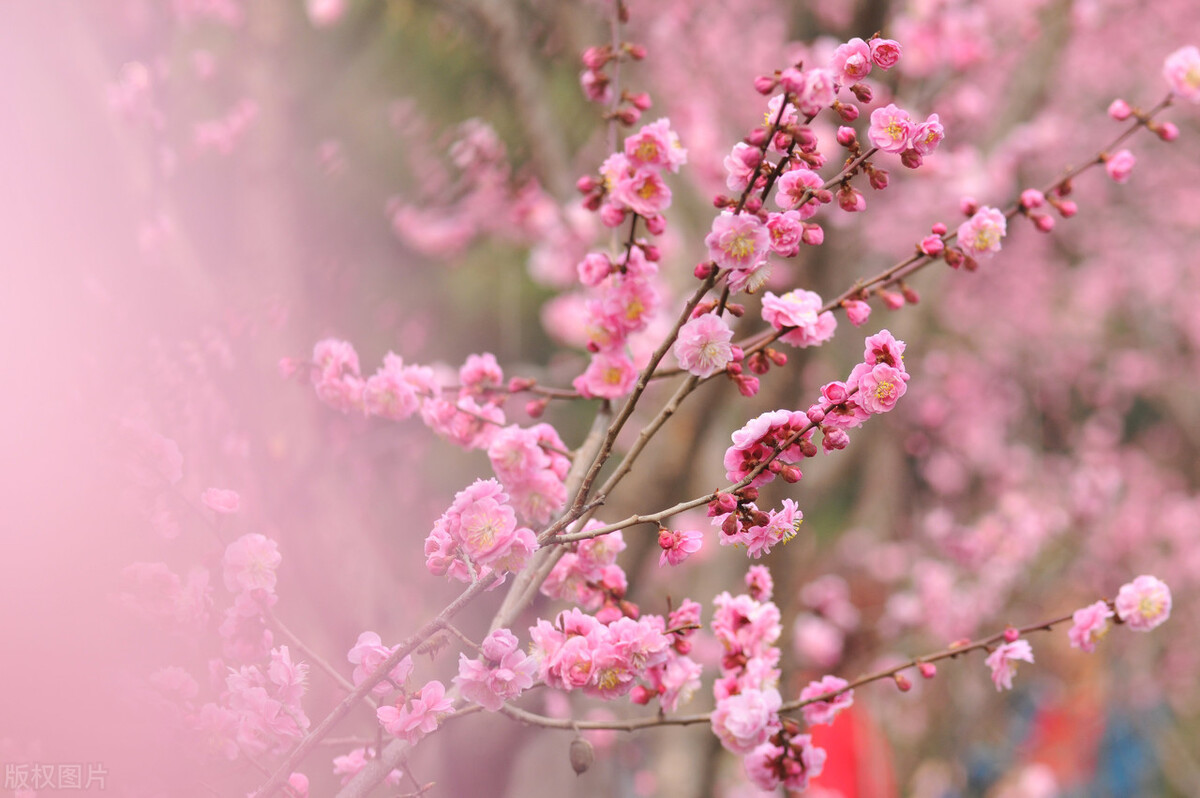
476, 199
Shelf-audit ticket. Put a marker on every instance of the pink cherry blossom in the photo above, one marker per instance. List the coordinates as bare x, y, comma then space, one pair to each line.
703, 347
801, 310
737, 242
1144, 603
885, 53
980, 235
656, 145
678, 544
795, 189
368, 654
220, 500
1182, 72
1003, 662
1089, 625
608, 376
418, 717
742, 722
891, 128
852, 60
501, 674
825, 711
928, 135
250, 563
879, 386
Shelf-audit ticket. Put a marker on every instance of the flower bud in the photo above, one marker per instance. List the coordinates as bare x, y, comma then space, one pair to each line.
1043, 221
846, 136
1011, 634
862, 92
582, 755
535, 407
932, 246
911, 158
765, 84
1120, 110
928, 669
939, 229
902, 682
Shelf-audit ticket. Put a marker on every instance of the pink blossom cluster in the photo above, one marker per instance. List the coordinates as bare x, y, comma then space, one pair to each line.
748, 629
755, 444
824, 711
477, 535
260, 709
632, 180
249, 565
788, 759
676, 679
852, 60
874, 386
532, 465
367, 654
894, 130
501, 673
413, 717
588, 575
348, 765
580, 652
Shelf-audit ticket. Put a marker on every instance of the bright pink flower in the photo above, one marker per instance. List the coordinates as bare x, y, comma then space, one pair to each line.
928, 135
739, 166
1089, 625
1119, 110
675, 681
678, 544
389, 393
885, 53
747, 629
744, 721
608, 376
1003, 662
1119, 165
825, 711
501, 674
368, 654
1144, 603
819, 91
755, 441
801, 310
786, 231
795, 187
852, 61
781, 526
879, 386
1182, 72
703, 347
980, 235
418, 717
250, 563
643, 191
220, 500
891, 128
656, 145
737, 242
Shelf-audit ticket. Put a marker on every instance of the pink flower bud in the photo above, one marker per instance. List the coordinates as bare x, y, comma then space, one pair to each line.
585, 184
879, 179
933, 246
777, 357
939, 229
902, 682
847, 111
518, 384
851, 199
535, 407
892, 300
765, 84
725, 503
1042, 221
911, 158
611, 215
1167, 131
791, 80
910, 294
1067, 209
816, 414
704, 270
1119, 165
835, 439
846, 136
641, 101
862, 92
1120, 110
813, 235
1032, 198
928, 669
857, 311
747, 386
757, 137
596, 57
968, 206
885, 52
656, 224
636, 51
1011, 634
954, 258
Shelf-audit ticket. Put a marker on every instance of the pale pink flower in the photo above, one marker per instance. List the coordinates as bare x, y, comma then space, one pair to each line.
1182, 72
1144, 603
885, 53
250, 563
825, 711
852, 60
220, 500
368, 654
801, 310
787, 230
594, 267
703, 347
891, 128
739, 166
1089, 625
737, 242
389, 393
643, 191
608, 376
980, 235
818, 91
1119, 165
1003, 662
794, 190
418, 717
481, 373
744, 721
501, 674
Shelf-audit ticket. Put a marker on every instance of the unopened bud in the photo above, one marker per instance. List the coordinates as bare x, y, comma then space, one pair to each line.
968, 206
862, 92
636, 51
518, 384
939, 229
911, 158
846, 136
704, 270
878, 179
656, 224
902, 682
765, 84
641, 100
1120, 110
928, 669
847, 111
1043, 221
582, 755
1167, 131
1011, 634
535, 407
910, 295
